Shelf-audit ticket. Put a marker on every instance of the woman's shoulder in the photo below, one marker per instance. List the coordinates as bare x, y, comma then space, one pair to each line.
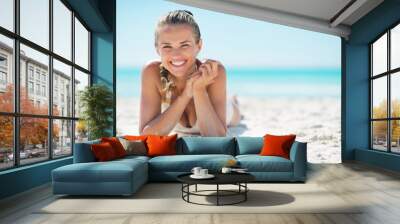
151, 70
152, 66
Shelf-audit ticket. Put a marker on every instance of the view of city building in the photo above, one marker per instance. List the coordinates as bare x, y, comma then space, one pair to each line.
45, 107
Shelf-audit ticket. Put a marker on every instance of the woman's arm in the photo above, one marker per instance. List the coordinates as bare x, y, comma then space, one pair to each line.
152, 121
210, 104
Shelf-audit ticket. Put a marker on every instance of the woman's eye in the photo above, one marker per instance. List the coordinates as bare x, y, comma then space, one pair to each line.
185, 45
166, 47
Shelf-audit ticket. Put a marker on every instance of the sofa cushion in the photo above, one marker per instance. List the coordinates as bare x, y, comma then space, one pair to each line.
111, 171
206, 145
132, 159
257, 163
185, 163
249, 145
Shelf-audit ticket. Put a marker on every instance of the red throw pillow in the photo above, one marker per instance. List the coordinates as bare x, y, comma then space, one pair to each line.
116, 145
277, 145
103, 151
161, 145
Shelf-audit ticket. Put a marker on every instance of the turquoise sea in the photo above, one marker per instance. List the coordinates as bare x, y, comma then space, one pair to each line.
257, 82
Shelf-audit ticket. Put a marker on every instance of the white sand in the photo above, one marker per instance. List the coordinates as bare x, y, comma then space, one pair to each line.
313, 120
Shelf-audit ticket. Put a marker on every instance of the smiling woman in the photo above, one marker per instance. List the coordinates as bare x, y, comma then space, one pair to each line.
180, 93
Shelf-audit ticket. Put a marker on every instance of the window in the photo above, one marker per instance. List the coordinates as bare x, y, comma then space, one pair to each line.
3, 78
62, 75
34, 21
385, 91
54, 125
33, 149
30, 72
3, 72
62, 137
43, 77
3, 82
3, 61
37, 74
38, 89
395, 47
30, 87
7, 142
44, 91
81, 45
62, 29
55, 101
6, 74
7, 14
81, 81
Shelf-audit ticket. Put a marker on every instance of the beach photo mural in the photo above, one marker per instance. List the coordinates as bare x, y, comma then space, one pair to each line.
195, 72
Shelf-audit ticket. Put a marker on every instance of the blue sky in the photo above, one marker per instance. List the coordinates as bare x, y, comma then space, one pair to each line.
233, 40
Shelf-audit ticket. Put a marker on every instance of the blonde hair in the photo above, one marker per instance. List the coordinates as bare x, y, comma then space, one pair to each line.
176, 17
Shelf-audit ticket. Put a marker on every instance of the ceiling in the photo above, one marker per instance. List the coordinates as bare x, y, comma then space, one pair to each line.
326, 16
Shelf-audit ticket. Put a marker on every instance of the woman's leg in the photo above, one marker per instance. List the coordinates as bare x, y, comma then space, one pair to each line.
236, 116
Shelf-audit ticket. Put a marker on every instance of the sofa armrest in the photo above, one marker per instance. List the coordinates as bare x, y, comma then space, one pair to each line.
83, 152
298, 155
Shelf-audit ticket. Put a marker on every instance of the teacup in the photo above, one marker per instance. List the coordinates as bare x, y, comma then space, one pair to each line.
203, 172
196, 170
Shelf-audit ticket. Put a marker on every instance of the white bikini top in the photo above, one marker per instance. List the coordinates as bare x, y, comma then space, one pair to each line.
180, 129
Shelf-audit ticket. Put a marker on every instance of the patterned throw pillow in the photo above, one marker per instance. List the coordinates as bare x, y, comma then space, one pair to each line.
134, 147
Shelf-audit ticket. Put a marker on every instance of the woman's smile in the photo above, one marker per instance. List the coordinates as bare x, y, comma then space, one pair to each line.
179, 67
178, 63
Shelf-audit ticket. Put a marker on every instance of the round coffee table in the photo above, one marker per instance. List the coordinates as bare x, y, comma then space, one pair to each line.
238, 179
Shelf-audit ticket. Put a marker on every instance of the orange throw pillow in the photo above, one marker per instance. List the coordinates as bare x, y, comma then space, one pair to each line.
103, 151
277, 145
161, 145
116, 145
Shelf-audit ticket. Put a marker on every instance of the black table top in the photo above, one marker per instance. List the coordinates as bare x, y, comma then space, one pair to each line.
220, 178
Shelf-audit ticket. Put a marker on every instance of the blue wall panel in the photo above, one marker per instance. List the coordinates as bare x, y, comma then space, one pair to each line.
103, 63
102, 58
356, 100
24, 178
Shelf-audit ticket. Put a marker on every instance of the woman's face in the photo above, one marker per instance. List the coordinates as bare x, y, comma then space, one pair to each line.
177, 48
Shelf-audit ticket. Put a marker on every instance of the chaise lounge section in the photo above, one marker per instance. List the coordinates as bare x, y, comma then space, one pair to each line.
125, 176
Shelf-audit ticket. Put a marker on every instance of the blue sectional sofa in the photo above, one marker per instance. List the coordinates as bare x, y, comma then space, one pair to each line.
125, 176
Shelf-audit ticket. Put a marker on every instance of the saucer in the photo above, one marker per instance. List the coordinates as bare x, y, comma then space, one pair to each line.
208, 176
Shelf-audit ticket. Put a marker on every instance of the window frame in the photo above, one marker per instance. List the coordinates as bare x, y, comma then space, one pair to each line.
388, 74
16, 114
